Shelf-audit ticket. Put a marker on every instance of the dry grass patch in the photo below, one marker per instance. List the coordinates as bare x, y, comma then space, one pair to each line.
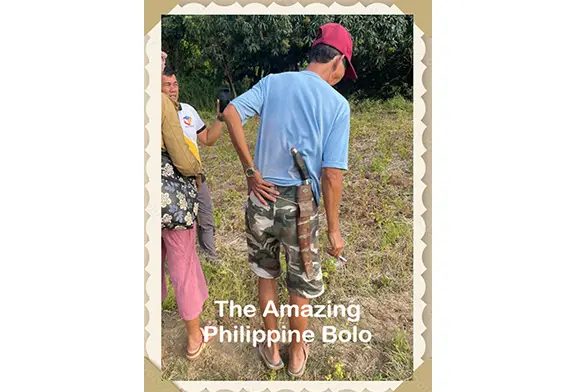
376, 222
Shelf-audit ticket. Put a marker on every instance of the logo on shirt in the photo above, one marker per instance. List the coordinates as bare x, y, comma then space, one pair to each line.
187, 120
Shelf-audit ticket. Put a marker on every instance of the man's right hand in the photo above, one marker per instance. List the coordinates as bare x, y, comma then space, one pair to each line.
262, 189
336, 243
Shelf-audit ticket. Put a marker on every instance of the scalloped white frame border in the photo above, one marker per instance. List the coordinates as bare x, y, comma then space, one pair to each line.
153, 344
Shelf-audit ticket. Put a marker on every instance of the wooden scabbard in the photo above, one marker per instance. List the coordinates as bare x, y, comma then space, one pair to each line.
304, 198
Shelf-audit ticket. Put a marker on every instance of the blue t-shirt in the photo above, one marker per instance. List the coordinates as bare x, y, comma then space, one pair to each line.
301, 110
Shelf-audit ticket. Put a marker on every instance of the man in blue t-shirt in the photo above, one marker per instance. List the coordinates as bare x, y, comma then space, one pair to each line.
301, 110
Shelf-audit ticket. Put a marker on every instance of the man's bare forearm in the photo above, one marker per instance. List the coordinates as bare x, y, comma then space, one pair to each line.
332, 192
213, 133
237, 136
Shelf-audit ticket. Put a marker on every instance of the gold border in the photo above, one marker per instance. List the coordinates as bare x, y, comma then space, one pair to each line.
422, 380
421, 9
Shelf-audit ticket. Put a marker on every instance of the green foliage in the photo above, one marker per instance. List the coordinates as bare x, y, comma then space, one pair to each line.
170, 302
236, 51
399, 355
382, 55
329, 268
338, 373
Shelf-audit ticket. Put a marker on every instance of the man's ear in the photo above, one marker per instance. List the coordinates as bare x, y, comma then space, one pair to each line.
335, 62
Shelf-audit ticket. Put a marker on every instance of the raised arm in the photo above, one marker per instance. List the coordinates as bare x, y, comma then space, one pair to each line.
209, 135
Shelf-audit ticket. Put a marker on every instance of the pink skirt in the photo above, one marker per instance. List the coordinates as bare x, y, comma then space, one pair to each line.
190, 289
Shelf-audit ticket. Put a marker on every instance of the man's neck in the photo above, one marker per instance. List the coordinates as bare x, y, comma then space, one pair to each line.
320, 70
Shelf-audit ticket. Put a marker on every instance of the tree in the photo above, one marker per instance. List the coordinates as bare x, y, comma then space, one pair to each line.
239, 50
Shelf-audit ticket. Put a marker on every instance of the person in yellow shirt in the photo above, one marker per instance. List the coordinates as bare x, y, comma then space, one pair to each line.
179, 246
196, 131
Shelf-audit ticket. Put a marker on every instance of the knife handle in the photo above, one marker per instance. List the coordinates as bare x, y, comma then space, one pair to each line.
300, 164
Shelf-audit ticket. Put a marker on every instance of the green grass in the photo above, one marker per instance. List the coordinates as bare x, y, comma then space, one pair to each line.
376, 223
400, 356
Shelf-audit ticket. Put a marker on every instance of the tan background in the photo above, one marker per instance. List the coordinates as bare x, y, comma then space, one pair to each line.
422, 380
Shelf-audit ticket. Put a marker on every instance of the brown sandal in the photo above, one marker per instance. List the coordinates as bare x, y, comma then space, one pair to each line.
267, 362
192, 356
300, 372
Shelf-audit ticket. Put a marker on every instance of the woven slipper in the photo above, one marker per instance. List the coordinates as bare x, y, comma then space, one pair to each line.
267, 362
300, 372
196, 354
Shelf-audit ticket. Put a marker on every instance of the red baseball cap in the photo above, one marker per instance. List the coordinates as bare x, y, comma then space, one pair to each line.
336, 36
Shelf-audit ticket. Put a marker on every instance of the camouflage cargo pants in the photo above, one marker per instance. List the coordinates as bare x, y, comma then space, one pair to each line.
272, 226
